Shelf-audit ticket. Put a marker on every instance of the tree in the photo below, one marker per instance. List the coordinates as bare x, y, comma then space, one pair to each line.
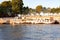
25, 10
6, 4
32, 10
6, 8
57, 10
39, 8
44, 9
53, 10
17, 6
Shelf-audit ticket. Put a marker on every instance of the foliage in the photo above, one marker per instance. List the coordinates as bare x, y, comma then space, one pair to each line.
17, 6
25, 10
5, 8
14, 7
39, 8
55, 10
6, 4
32, 10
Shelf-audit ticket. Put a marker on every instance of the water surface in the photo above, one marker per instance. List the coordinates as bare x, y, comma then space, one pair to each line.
30, 32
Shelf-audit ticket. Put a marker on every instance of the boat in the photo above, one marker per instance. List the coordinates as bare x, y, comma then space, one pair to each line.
55, 22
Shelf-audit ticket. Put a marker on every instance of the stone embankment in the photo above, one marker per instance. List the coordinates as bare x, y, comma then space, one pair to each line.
30, 19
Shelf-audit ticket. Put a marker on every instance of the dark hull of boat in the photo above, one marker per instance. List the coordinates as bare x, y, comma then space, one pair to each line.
55, 22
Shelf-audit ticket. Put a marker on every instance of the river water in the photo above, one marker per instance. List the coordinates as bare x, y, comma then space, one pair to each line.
30, 32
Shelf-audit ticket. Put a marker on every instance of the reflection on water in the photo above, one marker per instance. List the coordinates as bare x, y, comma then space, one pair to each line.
30, 32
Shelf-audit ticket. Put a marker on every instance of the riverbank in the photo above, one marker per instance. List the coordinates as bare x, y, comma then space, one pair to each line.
30, 20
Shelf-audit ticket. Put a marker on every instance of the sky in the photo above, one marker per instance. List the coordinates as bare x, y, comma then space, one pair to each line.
3, 0
44, 3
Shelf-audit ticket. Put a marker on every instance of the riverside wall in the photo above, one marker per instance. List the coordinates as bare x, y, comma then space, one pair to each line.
14, 20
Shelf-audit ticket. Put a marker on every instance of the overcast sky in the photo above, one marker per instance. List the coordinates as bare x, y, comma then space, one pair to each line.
44, 3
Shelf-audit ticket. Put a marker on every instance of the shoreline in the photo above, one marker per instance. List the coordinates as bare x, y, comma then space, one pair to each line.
30, 20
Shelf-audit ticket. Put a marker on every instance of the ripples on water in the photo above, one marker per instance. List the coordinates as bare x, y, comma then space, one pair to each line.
30, 32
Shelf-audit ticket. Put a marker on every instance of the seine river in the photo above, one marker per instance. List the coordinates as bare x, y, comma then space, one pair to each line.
30, 32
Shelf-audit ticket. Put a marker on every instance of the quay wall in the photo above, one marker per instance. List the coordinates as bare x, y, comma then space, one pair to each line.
11, 20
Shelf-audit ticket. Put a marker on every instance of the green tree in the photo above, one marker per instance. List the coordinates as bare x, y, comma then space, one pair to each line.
25, 10
17, 6
6, 4
53, 10
57, 10
32, 10
6, 8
